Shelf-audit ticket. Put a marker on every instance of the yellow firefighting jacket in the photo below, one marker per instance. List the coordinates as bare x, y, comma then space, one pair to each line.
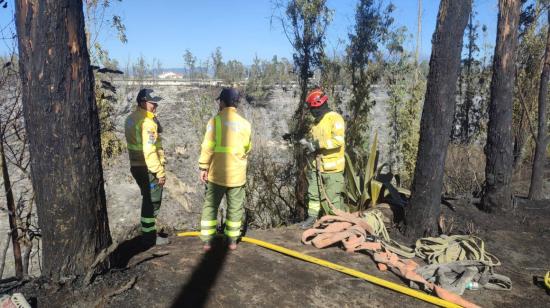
329, 132
225, 148
144, 142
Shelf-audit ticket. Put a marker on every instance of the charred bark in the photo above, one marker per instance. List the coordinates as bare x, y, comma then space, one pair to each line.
537, 175
497, 193
62, 123
437, 117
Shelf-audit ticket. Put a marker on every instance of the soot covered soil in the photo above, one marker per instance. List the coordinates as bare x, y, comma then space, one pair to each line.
181, 275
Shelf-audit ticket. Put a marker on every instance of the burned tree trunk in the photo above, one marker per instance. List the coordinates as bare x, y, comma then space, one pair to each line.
62, 123
437, 117
497, 193
537, 175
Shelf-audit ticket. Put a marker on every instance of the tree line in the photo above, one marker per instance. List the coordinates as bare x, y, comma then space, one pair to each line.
486, 90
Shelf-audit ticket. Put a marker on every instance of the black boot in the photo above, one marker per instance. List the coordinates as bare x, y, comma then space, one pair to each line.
308, 223
153, 239
148, 239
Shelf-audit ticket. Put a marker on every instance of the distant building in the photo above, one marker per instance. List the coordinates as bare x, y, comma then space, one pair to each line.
170, 75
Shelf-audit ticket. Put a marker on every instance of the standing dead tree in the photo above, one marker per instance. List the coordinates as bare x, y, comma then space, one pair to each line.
528, 67
8, 113
14, 160
497, 193
61, 119
304, 23
435, 126
23, 232
537, 175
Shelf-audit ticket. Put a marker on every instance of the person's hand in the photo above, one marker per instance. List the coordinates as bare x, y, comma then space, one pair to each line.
162, 181
308, 145
203, 176
287, 137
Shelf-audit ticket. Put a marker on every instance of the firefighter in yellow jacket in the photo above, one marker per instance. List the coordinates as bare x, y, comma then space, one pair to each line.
142, 130
222, 165
326, 144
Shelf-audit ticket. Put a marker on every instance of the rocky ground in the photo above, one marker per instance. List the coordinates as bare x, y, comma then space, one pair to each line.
183, 114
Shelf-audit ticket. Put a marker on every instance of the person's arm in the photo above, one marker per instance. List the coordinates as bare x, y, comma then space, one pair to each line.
149, 137
162, 158
207, 150
337, 135
160, 151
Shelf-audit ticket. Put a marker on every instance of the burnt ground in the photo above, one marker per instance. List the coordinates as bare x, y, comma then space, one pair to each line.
181, 275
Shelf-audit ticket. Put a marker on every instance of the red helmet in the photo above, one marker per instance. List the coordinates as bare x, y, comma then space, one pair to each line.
316, 98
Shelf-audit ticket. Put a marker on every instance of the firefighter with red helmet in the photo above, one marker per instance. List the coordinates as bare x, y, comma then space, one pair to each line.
326, 144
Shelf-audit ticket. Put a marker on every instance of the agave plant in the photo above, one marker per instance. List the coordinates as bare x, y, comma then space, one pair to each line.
365, 187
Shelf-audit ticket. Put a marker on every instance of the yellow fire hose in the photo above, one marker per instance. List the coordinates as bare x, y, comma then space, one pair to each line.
381, 282
547, 280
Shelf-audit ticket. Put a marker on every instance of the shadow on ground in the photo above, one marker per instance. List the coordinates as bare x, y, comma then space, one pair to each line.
196, 290
127, 250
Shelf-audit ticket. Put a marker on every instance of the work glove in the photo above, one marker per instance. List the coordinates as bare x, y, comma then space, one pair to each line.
309, 146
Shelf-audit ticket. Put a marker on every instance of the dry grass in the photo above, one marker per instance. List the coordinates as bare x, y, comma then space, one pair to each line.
269, 189
464, 170
472, 228
446, 225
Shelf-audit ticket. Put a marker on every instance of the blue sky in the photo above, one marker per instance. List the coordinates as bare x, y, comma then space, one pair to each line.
163, 29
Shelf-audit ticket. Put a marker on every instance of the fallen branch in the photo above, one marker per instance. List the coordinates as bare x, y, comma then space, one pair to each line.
8, 286
127, 286
104, 254
153, 255
123, 289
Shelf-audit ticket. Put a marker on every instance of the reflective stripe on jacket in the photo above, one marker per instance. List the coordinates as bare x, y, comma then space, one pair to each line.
225, 148
143, 141
330, 133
